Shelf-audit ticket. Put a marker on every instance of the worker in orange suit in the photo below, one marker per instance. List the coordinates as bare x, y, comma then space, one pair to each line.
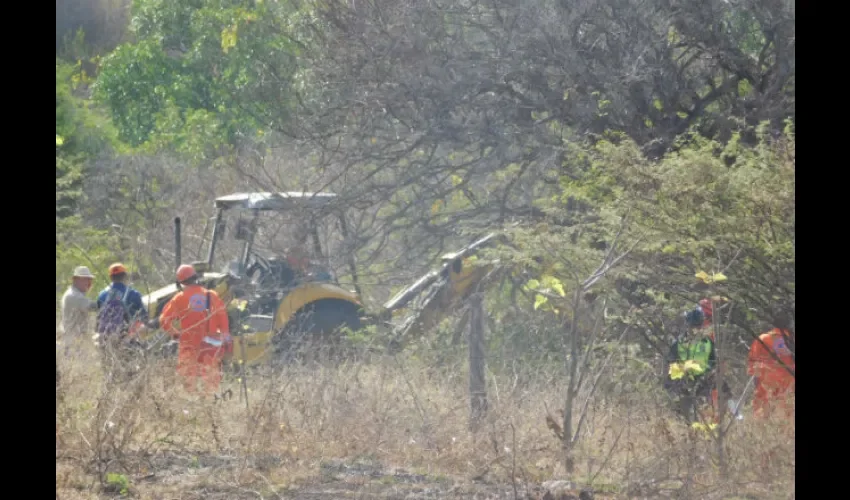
203, 332
771, 362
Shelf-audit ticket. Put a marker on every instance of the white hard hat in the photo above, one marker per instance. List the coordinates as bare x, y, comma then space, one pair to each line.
82, 272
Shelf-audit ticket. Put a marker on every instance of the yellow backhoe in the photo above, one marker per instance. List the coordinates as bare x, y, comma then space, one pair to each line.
273, 307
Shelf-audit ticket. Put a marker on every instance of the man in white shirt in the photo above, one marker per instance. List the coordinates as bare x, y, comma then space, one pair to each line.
76, 307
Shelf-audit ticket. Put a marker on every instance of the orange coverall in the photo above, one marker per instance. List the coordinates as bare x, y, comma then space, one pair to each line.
773, 381
197, 359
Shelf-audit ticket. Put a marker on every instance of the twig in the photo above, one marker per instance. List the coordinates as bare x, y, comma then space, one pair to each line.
416, 401
600, 273
244, 374
607, 457
733, 260
591, 341
593, 387
513, 461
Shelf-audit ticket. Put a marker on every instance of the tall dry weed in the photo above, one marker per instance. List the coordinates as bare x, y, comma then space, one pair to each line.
393, 411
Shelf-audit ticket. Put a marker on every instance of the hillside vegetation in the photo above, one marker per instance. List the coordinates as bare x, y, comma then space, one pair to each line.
622, 147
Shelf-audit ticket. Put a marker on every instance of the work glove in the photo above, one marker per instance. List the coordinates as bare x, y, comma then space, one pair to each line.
224, 342
209, 341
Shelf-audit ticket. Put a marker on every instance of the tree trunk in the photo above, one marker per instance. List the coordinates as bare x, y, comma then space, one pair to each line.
477, 383
720, 409
572, 366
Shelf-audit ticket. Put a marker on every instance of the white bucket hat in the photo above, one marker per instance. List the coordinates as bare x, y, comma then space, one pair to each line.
82, 272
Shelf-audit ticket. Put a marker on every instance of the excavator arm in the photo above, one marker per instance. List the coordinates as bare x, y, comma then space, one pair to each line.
439, 292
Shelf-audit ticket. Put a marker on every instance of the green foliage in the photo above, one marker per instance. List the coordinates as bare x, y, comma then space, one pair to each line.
69, 173
706, 219
708, 206
547, 286
131, 84
118, 482
745, 29
201, 75
81, 134
80, 128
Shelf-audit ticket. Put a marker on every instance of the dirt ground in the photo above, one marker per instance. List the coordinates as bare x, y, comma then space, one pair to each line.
168, 477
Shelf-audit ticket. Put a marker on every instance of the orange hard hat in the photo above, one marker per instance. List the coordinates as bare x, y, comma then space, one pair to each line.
117, 268
706, 306
185, 272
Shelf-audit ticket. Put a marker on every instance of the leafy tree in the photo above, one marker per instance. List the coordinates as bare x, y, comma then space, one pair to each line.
200, 76
727, 209
81, 134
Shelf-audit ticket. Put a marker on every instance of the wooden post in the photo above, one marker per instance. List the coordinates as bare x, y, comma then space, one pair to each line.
477, 382
462, 326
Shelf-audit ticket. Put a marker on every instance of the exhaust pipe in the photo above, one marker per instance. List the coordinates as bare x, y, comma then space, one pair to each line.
177, 247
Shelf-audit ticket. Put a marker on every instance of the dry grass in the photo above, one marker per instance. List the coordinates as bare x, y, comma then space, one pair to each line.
329, 432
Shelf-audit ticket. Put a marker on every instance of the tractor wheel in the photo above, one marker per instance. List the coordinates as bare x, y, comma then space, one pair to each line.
316, 330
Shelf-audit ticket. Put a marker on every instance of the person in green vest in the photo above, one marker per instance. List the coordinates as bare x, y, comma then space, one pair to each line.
691, 364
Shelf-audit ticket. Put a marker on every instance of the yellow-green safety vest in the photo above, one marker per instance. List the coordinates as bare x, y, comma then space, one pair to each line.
698, 351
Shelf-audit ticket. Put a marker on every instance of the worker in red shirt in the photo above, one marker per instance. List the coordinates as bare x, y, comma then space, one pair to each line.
201, 328
708, 313
771, 362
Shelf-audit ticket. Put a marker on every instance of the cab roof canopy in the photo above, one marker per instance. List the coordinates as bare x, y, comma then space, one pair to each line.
273, 201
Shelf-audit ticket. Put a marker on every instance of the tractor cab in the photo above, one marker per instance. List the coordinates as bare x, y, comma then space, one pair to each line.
275, 242
263, 246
